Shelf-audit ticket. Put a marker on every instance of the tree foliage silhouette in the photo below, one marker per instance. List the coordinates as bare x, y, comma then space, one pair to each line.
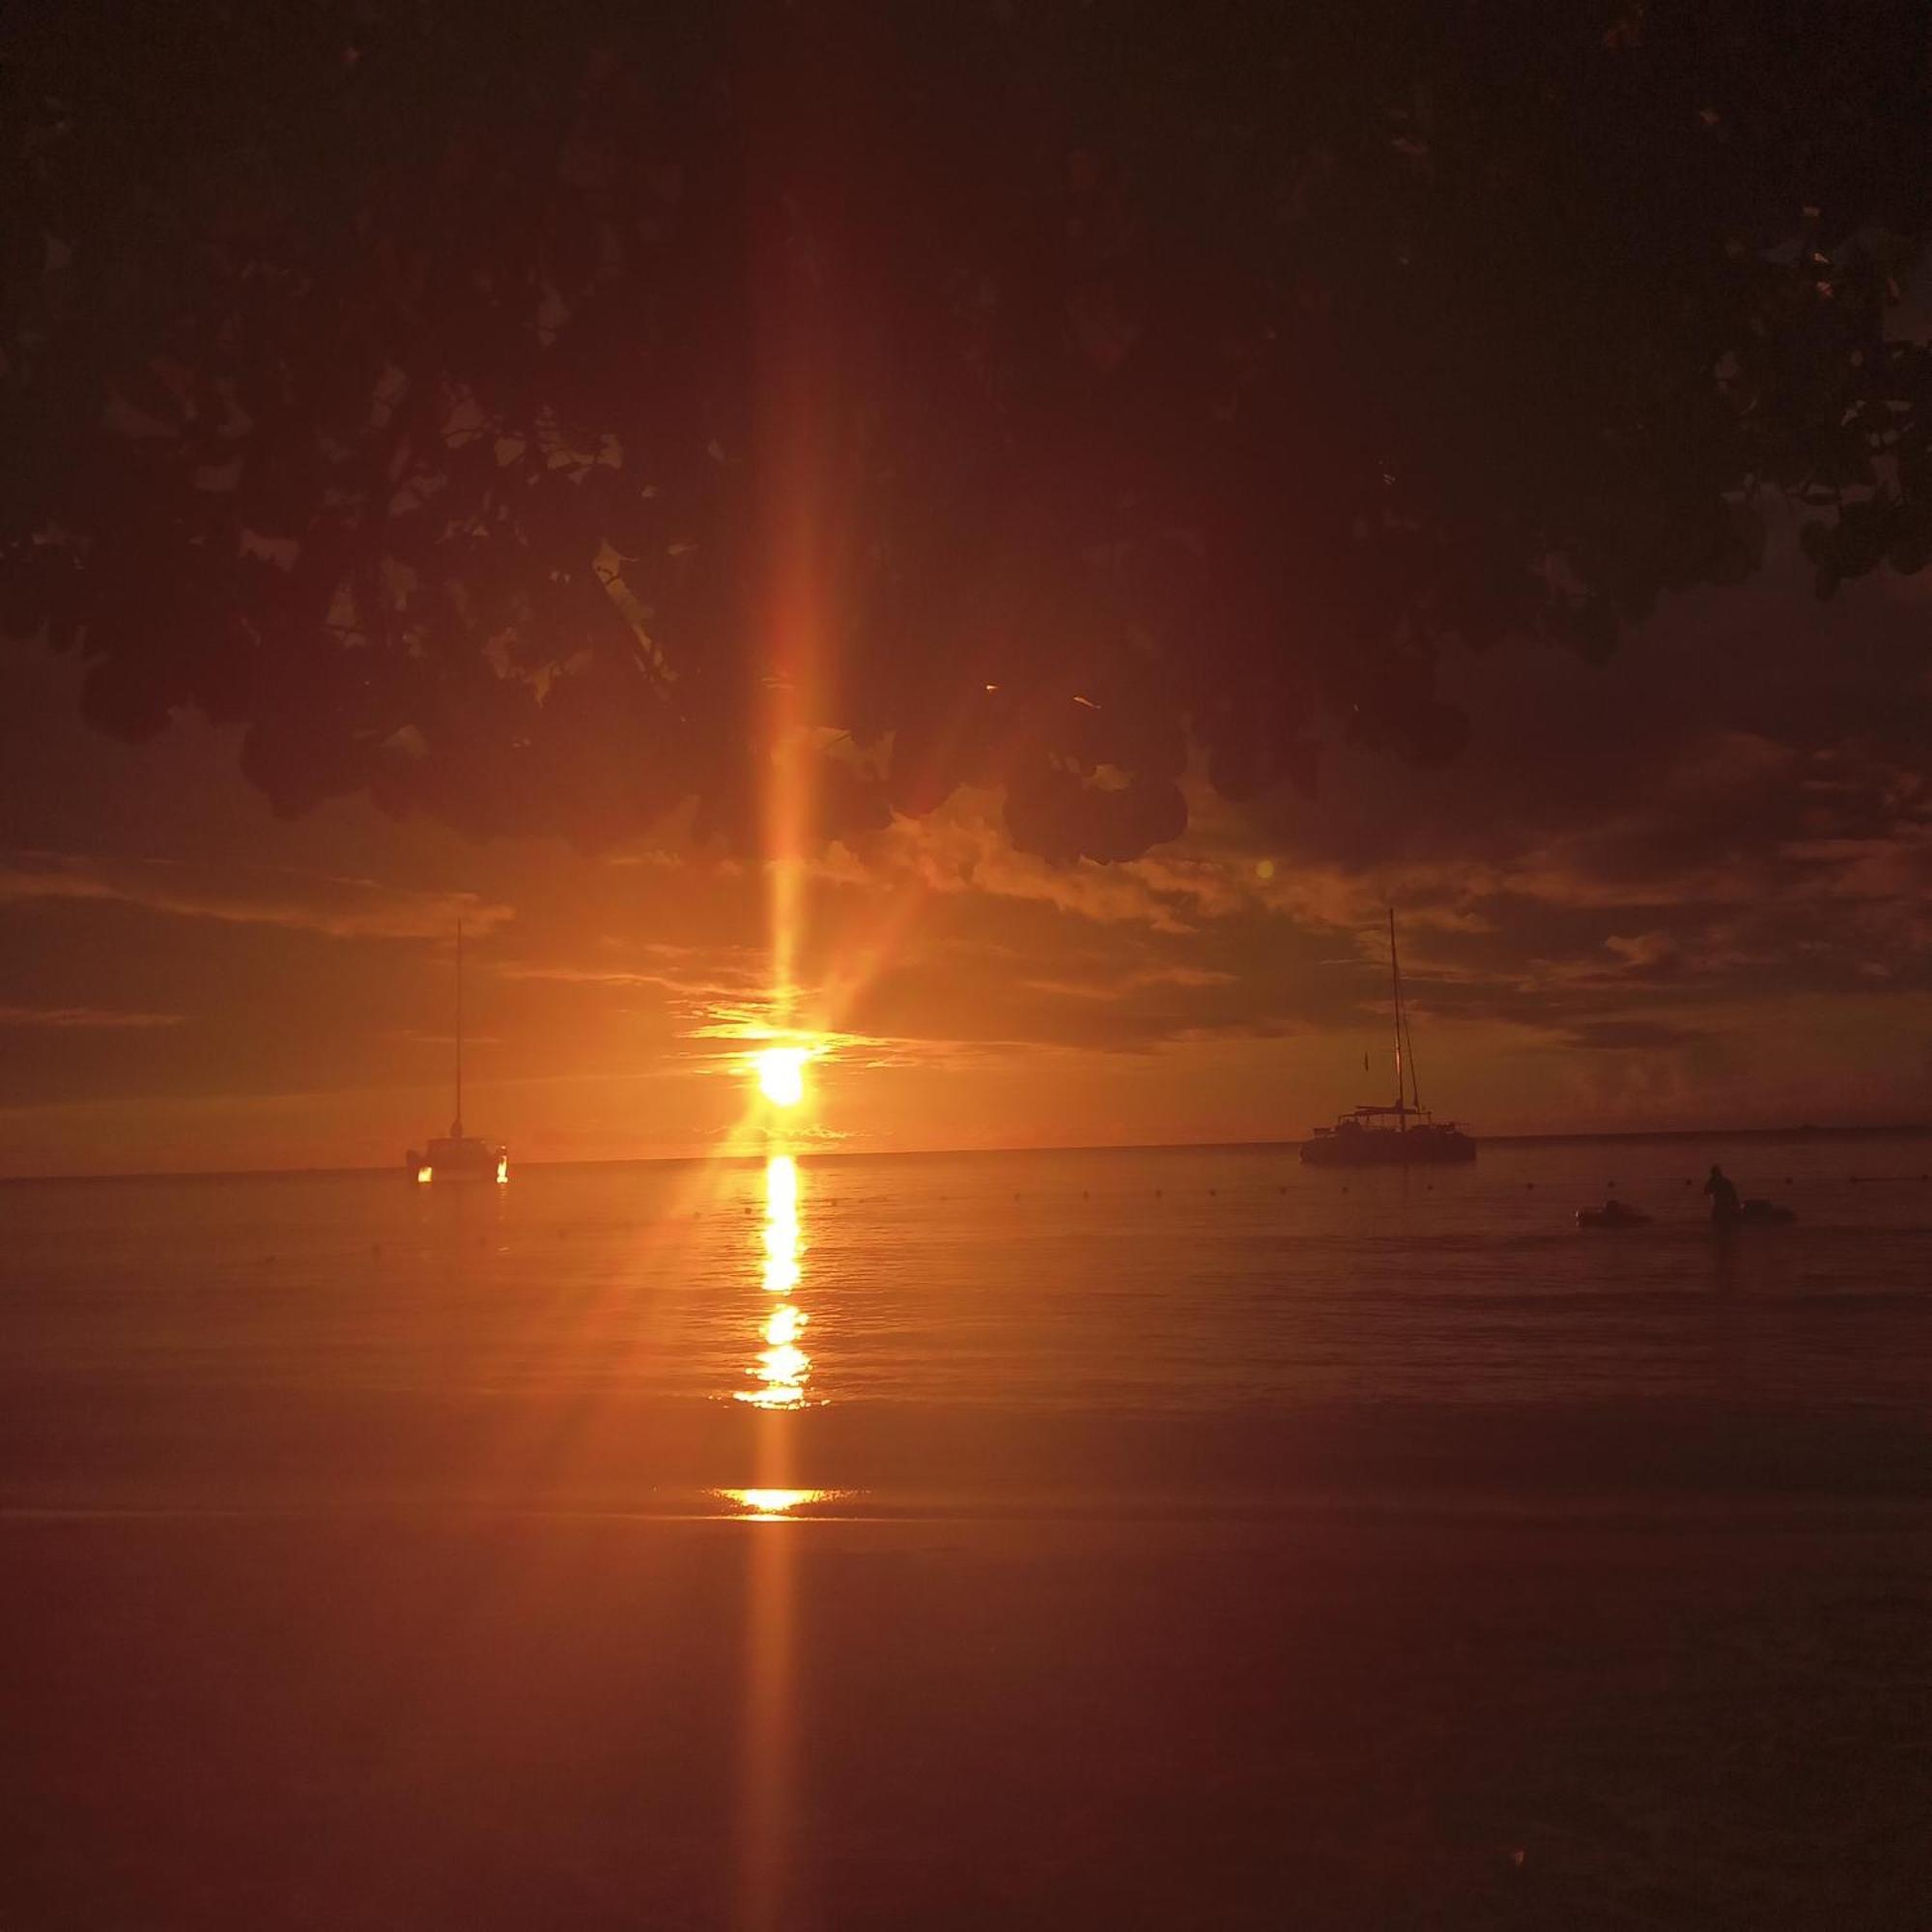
471, 400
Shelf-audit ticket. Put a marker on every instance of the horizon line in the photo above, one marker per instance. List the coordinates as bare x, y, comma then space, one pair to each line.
1802, 1130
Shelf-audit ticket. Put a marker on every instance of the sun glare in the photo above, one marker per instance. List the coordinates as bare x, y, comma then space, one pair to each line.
771, 1505
782, 1074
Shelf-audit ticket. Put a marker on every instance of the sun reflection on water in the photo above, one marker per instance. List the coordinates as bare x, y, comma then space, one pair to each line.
781, 1368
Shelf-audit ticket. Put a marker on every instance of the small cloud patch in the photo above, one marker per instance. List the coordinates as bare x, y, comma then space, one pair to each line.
85, 1018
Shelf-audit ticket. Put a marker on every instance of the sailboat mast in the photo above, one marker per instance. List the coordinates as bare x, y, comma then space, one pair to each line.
1395, 975
456, 1132
1408, 1048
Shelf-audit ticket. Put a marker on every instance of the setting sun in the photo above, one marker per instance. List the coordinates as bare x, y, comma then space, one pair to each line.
782, 1074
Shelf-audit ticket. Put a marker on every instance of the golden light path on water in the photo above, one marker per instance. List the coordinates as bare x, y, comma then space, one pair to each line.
780, 1376
781, 1368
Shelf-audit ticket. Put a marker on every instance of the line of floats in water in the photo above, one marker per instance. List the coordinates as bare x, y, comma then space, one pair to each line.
1614, 1212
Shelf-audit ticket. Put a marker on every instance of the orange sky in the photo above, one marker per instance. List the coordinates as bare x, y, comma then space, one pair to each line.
1687, 889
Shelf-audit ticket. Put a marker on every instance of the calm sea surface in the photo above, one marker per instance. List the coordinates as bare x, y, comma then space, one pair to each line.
1177, 1330
1200, 1541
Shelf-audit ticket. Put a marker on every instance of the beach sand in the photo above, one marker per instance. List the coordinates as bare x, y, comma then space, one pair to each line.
1332, 1716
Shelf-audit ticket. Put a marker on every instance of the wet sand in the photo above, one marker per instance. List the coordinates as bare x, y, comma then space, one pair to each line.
1330, 1717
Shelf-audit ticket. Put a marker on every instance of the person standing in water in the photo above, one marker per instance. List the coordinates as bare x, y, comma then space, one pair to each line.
1724, 1208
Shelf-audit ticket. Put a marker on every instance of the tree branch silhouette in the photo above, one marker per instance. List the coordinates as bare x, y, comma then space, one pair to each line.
417, 383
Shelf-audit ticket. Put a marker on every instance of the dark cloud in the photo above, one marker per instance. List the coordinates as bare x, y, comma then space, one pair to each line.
1615, 1035
91, 1018
340, 908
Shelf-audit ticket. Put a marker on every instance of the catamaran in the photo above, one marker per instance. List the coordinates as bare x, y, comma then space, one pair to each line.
1395, 1135
457, 1156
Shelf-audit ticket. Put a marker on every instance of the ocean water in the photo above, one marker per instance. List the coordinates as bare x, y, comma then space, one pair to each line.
1139, 1538
1175, 1331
